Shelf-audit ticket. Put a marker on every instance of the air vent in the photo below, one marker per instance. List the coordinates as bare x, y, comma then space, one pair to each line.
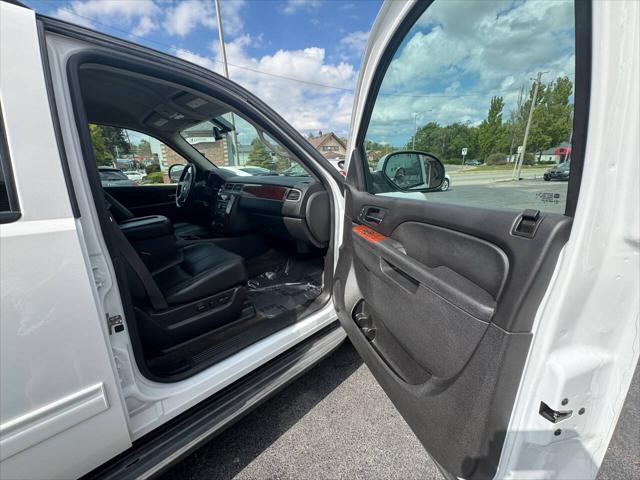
237, 186
293, 195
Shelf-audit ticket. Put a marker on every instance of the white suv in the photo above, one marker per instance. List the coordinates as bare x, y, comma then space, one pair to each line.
137, 321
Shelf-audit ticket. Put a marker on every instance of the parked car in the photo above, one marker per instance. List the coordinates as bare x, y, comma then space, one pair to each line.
559, 172
474, 162
114, 177
138, 323
135, 175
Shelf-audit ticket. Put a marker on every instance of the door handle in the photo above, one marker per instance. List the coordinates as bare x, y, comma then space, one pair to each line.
372, 215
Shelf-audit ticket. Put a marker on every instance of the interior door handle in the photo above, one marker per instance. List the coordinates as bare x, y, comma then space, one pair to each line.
373, 219
372, 215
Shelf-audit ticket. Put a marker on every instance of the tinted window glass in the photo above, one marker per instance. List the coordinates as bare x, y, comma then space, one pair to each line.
486, 87
231, 142
129, 158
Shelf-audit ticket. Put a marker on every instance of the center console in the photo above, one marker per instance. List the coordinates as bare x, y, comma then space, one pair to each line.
221, 221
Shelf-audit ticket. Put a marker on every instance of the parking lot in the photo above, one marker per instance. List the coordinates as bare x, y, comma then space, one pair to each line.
336, 422
495, 189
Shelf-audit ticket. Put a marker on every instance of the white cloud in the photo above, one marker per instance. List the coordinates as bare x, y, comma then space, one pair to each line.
306, 106
493, 49
188, 15
115, 13
144, 27
293, 6
355, 42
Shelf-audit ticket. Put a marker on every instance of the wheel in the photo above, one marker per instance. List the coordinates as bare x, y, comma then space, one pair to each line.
546, 179
445, 185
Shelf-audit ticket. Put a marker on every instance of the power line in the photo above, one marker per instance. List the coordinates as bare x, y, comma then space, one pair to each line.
269, 74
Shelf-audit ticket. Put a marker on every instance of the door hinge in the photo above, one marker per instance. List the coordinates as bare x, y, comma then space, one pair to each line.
115, 324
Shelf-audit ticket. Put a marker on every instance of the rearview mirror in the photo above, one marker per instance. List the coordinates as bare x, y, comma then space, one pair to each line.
412, 171
175, 172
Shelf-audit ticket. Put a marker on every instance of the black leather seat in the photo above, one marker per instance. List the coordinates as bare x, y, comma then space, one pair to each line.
184, 229
203, 270
122, 214
179, 292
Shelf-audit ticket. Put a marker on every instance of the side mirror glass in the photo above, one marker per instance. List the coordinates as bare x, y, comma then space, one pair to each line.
412, 171
175, 172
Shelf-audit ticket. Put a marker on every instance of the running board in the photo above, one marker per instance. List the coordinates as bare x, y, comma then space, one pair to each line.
160, 449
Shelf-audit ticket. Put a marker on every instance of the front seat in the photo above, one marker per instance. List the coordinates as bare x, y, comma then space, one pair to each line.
178, 293
121, 213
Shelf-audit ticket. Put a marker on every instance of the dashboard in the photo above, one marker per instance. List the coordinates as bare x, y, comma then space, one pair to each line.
295, 208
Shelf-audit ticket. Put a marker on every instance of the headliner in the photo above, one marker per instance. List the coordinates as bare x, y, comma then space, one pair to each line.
138, 102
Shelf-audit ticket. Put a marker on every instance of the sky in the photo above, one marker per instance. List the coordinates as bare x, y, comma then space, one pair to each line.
457, 55
317, 41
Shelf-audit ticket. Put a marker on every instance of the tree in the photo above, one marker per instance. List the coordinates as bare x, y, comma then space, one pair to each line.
144, 149
116, 140
100, 151
492, 134
551, 121
259, 155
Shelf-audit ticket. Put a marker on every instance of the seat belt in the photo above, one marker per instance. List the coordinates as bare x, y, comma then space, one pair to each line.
156, 298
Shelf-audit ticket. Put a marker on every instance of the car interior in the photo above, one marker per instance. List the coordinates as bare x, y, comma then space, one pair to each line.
213, 262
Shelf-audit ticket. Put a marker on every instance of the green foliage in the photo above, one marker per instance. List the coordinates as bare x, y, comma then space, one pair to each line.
492, 134
446, 142
102, 154
116, 140
551, 122
529, 159
496, 159
152, 168
144, 149
154, 177
260, 156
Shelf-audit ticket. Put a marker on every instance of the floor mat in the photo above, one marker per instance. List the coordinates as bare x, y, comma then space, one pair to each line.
290, 283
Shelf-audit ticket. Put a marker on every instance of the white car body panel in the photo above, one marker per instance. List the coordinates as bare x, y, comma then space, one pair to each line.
75, 396
58, 383
587, 336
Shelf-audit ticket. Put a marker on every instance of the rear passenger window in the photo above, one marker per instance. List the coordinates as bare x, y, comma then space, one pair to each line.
488, 89
9, 210
127, 158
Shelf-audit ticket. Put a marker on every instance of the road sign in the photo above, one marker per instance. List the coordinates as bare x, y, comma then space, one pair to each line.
464, 152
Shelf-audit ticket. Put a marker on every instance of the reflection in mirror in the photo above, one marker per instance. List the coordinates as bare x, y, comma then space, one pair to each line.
175, 171
411, 170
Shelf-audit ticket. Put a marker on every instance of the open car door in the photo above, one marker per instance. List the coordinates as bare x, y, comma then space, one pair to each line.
486, 312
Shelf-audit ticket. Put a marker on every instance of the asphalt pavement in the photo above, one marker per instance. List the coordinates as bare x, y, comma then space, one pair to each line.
336, 422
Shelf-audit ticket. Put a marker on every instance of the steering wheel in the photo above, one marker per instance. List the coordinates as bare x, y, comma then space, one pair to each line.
186, 185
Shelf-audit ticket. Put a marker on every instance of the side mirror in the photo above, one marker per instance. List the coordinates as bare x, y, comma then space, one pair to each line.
413, 171
175, 172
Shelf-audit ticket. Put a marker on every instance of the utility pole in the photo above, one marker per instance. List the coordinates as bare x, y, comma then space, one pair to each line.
223, 51
526, 130
415, 129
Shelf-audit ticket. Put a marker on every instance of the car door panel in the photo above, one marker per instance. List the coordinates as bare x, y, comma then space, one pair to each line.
439, 300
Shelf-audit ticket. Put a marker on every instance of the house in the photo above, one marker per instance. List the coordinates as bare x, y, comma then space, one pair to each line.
329, 145
556, 154
216, 151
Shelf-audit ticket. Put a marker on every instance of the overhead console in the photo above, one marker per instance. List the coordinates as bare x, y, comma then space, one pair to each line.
288, 207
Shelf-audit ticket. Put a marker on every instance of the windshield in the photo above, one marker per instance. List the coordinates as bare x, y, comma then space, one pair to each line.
231, 142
